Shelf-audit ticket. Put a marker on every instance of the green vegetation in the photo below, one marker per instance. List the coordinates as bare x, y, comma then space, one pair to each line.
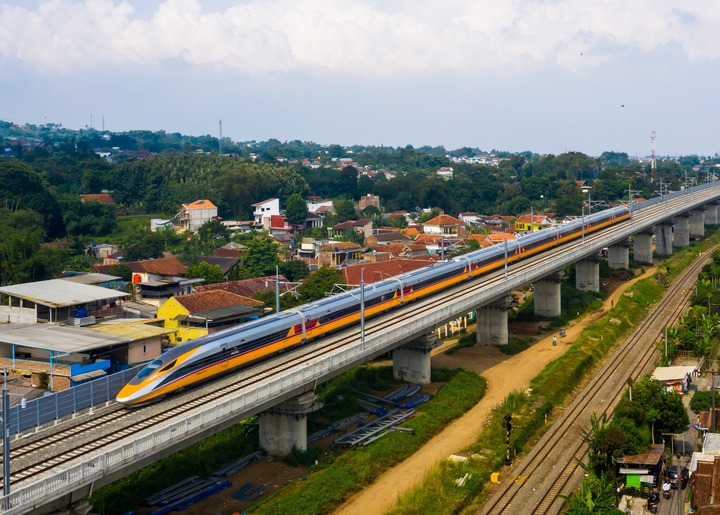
466, 340
326, 488
550, 389
156, 172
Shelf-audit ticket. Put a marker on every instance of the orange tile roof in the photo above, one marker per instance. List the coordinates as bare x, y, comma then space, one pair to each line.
341, 245
435, 238
444, 220
374, 272
410, 232
500, 236
214, 299
200, 204
247, 287
161, 266
397, 249
103, 198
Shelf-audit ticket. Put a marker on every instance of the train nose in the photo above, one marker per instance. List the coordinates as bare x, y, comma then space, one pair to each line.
127, 395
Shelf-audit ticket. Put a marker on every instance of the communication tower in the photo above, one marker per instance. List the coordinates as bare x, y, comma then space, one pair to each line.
653, 168
220, 139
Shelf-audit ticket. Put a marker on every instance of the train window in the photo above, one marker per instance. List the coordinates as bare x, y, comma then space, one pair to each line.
168, 366
151, 368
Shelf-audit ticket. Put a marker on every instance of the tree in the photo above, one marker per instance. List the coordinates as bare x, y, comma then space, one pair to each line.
345, 209
201, 269
296, 210
122, 271
667, 409
295, 270
319, 284
144, 244
213, 233
21, 187
87, 218
260, 259
596, 495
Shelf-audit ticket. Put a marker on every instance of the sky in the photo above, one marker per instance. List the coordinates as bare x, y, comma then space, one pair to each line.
546, 76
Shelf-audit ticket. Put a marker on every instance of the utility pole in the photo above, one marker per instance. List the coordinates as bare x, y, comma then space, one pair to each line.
508, 427
220, 140
277, 289
362, 309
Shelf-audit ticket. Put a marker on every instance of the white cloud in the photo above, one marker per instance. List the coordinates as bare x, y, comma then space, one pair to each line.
363, 38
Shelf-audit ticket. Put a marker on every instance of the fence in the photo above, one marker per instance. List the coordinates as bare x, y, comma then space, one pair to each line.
65, 403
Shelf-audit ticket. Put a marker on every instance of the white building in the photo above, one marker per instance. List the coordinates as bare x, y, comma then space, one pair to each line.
264, 210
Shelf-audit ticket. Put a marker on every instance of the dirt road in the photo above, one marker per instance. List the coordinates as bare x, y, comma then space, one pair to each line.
504, 375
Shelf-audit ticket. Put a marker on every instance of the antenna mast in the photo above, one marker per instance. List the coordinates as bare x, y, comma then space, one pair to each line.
653, 168
220, 139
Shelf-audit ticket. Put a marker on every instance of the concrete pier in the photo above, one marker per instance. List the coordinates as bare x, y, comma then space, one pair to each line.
284, 427
664, 239
587, 274
642, 247
411, 362
492, 322
711, 214
697, 222
547, 295
682, 231
619, 255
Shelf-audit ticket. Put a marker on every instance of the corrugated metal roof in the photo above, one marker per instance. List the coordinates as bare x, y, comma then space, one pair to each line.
132, 330
676, 373
57, 338
92, 278
59, 293
227, 312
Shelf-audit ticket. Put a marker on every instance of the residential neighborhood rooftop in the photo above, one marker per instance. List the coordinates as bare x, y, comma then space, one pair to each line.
58, 293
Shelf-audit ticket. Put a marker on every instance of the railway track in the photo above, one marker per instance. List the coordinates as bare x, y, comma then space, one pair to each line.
47, 451
550, 468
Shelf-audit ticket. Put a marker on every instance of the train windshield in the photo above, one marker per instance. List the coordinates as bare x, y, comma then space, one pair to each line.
152, 367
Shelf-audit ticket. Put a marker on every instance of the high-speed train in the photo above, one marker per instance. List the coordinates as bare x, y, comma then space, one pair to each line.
204, 358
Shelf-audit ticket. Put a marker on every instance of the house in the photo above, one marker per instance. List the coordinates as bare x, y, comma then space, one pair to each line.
362, 226
102, 198
445, 225
705, 482
202, 313
445, 172
232, 249
307, 251
157, 279
66, 356
241, 226
227, 264
469, 218
369, 200
495, 220
193, 215
644, 469
386, 238
531, 223
323, 211
675, 379
335, 254
321, 204
59, 301
250, 287
264, 210
313, 220
101, 250
146, 270
279, 225
399, 250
